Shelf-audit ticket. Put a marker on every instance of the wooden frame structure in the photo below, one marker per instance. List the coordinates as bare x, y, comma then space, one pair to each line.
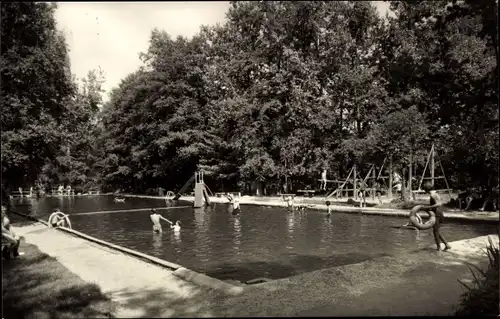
431, 161
371, 175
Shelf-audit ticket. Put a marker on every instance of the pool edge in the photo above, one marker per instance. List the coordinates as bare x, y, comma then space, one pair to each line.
177, 270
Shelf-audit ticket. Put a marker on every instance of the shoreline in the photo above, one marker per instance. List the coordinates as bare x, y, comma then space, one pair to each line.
314, 205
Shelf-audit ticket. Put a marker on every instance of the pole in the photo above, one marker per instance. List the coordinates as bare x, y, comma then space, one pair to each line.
432, 165
403, 182
410, 177
389, 191
355, 195
374, 180
423, 173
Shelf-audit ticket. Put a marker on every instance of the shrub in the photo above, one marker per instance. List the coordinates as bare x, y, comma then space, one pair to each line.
482, 297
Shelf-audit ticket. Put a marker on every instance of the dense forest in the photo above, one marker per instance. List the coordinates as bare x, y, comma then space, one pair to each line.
274, 95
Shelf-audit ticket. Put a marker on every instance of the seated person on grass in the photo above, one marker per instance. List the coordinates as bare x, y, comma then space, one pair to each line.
491, 196
10, 241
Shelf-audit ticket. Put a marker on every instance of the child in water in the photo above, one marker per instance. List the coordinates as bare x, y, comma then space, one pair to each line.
235, 202
329, 208
176, 227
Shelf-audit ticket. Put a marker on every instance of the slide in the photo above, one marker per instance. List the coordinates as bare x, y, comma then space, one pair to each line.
183, 189
205, 194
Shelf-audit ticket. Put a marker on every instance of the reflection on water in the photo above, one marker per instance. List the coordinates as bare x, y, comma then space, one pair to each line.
175, 238
157, 243
259, 242
236, 234
291, 223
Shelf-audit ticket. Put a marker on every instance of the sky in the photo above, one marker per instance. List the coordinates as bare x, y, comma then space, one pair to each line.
110, 35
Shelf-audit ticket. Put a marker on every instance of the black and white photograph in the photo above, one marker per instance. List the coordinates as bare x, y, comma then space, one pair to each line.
249, 159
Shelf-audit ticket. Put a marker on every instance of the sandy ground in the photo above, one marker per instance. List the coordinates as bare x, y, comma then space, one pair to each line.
423, 282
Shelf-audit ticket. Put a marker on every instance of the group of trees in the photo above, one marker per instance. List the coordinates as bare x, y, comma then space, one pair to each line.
48, 115
275, 94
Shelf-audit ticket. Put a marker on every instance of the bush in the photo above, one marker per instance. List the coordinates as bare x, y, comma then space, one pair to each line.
482, 298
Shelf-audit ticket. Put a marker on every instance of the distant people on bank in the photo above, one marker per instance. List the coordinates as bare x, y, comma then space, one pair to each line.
161, 191
323, 180
156, 219
491, 196
465, 198
378, 190
362, 193
396, 182
10, 241
436, 207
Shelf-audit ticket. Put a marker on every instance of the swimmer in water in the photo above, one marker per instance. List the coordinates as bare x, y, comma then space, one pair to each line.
289, 202
156, 218
235, 202
176, 227
329, 208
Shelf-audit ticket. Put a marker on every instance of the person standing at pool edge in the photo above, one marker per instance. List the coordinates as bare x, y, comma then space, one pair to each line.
323, 180
435, 206
362, 193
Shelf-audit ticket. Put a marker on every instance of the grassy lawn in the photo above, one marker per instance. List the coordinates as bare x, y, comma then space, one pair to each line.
36, 285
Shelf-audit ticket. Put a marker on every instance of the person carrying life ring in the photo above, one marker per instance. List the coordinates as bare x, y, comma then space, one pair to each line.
436, 207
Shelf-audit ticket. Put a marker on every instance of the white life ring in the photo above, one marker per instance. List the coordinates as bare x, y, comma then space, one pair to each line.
414, 220
60, 214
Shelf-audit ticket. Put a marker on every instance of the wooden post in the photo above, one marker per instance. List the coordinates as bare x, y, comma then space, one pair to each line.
410, 177
355, 195
389, 191
432, 165
374, 180
403, 182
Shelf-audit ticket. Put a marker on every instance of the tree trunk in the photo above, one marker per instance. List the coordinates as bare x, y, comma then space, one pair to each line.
403, 182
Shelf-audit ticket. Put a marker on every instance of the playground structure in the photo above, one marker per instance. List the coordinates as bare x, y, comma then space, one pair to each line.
201, 197
342, 189
432, 161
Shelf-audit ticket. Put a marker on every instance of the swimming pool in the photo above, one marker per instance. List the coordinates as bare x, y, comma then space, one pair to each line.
260, 242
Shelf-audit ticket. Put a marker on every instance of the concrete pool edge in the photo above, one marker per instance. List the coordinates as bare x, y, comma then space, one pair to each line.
488, 217
178, 270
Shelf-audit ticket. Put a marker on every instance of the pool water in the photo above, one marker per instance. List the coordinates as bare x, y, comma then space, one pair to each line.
267, 242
